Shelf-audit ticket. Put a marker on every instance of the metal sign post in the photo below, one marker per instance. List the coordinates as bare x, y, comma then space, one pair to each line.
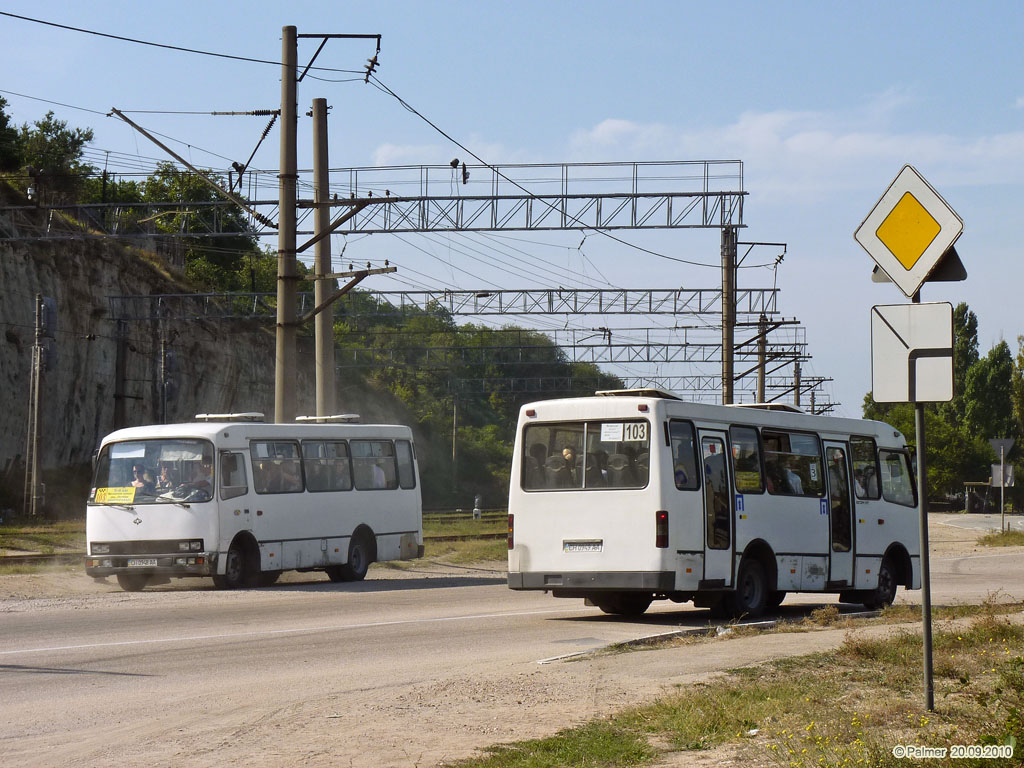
1002, 445
909, 234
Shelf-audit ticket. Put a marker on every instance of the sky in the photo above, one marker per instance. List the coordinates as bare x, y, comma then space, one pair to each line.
822, 102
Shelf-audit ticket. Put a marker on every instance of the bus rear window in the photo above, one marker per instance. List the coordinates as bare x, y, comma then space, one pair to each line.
586, 455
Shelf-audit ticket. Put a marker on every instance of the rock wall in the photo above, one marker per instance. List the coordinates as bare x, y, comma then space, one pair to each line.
221, 366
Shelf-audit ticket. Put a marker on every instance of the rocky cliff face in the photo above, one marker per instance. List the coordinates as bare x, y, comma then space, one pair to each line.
220, 366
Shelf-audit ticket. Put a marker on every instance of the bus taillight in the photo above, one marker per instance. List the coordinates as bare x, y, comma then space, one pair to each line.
511, 527
660, 529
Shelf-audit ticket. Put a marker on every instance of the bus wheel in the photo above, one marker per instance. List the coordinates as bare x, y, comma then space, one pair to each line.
234, 571
775, 599
132, 582
335, 573
625, 604
882, 595
751, 595
358, 560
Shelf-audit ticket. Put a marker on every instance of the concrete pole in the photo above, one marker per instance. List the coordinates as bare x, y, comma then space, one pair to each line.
728, 311
324, 323
285, 376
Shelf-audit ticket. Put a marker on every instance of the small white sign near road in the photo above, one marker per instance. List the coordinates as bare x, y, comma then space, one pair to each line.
912, 353
909, 230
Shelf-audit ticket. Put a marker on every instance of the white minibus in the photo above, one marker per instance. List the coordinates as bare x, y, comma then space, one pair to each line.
632, 496
232, 497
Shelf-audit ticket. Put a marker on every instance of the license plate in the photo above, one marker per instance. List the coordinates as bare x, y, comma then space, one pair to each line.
142, 562
583, 546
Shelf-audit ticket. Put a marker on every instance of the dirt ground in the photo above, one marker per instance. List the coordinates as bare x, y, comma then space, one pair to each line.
455, 716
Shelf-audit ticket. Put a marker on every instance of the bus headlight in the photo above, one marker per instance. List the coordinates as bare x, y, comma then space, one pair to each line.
193, 545
101, 549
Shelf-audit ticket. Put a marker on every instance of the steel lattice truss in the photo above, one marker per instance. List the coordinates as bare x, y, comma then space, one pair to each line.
535, 301
615, 352
699, 387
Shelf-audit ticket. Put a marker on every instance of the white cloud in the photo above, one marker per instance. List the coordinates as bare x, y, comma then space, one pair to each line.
807, 154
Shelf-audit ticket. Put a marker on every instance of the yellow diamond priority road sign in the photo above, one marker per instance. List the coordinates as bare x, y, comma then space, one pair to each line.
909, 230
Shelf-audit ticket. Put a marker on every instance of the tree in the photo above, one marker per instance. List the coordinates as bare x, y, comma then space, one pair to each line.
965, 355
988, 407
10, 148
54, 153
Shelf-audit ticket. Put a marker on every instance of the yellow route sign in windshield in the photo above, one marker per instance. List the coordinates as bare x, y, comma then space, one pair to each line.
115, 495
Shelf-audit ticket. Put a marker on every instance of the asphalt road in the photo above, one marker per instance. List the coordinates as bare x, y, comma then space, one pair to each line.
202, 677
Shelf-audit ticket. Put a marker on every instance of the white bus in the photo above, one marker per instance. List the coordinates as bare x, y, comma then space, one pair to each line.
631, 496
241, 500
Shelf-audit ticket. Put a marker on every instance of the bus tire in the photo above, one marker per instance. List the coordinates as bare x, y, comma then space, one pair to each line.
751, 595
625, 603
335, 573
775, 598
235, 570
882, 595
359, 559
132, 582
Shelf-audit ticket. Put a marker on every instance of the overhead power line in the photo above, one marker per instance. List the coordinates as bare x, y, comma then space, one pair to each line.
166, 46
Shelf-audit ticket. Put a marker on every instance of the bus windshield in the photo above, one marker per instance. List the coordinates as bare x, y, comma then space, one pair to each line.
162, 471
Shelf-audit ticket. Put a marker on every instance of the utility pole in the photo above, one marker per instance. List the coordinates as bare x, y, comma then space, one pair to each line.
285, 376
728, 311
762, 358
324, 323
796, 383
31, 494
120, 373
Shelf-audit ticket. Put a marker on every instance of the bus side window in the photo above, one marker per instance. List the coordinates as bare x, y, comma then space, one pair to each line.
897, 480
373, 465
746, 460
406, 475
792, 462
232, 476
684, 462
865, 468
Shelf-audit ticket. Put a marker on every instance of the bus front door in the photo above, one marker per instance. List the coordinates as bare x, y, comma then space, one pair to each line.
717, 509
840, 545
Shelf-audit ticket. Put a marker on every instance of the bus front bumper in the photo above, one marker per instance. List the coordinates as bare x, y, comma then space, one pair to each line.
178, 564
569, 584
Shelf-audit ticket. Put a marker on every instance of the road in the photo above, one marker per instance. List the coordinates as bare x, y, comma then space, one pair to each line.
404, 669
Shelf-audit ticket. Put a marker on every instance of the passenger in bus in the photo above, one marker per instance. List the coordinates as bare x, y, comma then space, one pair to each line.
377, 477
142, 479
572, 471
535, 465
793, 481
164, 482
680, 475
291, 476
596, 473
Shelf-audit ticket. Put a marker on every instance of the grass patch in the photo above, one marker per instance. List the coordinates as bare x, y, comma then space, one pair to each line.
44, 538
847, 707
461, 552
594, 745
1003, 539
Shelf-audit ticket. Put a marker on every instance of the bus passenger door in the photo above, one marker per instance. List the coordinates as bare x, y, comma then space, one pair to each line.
840, 545
717, 508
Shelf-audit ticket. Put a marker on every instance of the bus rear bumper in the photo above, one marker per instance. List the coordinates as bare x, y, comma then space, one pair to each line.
190, 564
581, 584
